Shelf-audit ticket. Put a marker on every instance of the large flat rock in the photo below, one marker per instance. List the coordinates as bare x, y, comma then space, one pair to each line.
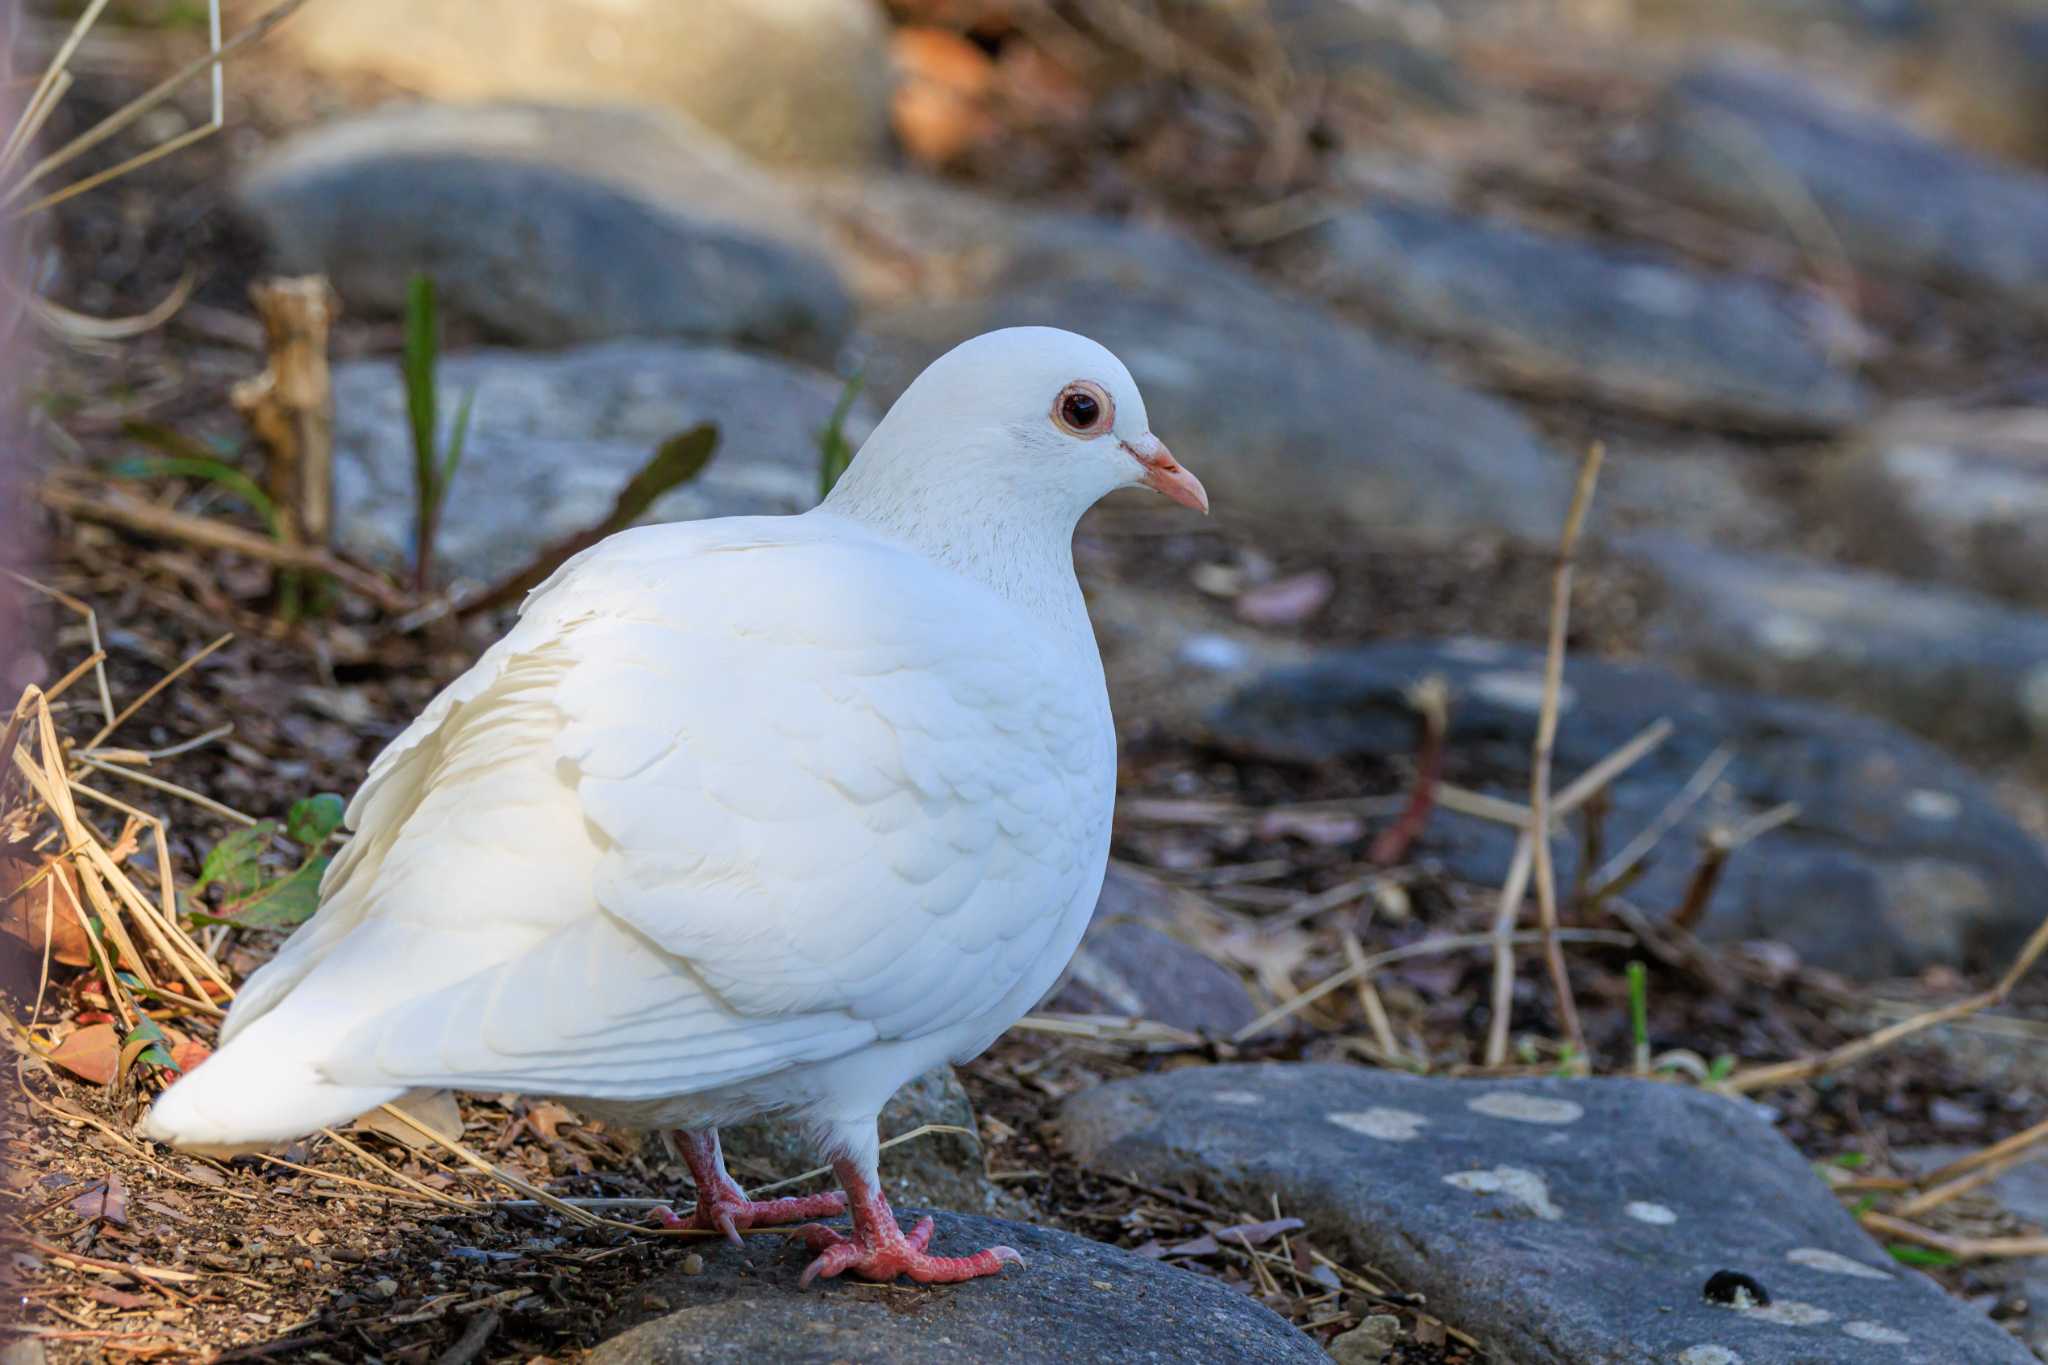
554, 437
1962, 669
1291, 416
1587, 321
545, 225
1899, 857
1562, 1222
1758, 142
1072, 1300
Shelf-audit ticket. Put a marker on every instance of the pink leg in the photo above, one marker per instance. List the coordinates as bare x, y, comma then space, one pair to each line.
879, 1248
722, 1206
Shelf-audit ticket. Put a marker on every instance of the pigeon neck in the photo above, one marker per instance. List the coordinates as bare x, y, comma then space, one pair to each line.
1022, 547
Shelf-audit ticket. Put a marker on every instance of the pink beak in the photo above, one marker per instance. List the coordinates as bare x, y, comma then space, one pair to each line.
1163, 473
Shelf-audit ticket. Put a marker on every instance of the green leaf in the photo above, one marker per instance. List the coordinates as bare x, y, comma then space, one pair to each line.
835, 452
158, 1052
456, 440
201, 466
1905, 1253
283, 904
313, 818
1850, 1161
1721, 1068
232, 862
1639, 1003
417, 365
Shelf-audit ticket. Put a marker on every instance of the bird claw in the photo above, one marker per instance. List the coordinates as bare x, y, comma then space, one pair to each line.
904, 1254
730, 1216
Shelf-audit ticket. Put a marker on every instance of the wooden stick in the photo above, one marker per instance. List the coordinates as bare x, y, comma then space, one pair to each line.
1546, 738
289, 406
1962, 1248
1974, 1171
1855, 1050
118, 509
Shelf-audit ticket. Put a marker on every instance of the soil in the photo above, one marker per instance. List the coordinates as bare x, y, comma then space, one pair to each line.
121, 1250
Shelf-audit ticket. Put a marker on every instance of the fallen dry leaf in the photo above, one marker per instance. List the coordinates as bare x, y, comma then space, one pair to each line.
107, 1200
434, 1108
50, 903
92, 1053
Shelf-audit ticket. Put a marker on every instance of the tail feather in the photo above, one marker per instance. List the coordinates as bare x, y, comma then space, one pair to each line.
256, 1092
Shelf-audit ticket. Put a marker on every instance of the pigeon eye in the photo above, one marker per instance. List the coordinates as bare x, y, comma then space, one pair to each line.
1084, 409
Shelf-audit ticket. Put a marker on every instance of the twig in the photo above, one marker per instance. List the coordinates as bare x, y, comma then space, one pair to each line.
1369, 998
1978, 1169
1427, 948
1962, 1248
474, 1338
1719, 843
159, 685
1431, 699
119, 510
1787, 1073
1638, 848
1546, 738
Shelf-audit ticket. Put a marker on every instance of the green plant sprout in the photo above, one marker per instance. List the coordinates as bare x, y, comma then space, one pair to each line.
835, 452
433, 467
250, 897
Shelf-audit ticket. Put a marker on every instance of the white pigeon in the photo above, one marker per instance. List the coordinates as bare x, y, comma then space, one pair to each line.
746, 816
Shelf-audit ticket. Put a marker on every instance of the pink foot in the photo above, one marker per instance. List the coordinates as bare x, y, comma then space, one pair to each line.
722, 1206
879, 1249
722, 1213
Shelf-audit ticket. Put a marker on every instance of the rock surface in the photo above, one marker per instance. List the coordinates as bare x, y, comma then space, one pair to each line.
1279, 406
801, 81
1072, 1300
554, 437
1898, 859
1958, 668
1741, 136
1957, 496
1129, 963
1553, 313
942, 1170
1562, 1222
544, 226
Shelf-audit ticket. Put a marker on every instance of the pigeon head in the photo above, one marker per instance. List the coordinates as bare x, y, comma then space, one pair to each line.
1024, 417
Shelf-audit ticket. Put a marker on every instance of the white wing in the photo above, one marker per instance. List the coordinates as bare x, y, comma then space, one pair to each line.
721, 803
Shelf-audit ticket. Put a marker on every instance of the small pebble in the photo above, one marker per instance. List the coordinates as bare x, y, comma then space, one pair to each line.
693, 1264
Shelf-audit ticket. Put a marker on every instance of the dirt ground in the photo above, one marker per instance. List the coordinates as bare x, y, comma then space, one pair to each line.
392, 1249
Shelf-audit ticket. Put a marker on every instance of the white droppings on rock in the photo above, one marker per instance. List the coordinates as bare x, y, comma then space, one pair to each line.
1522, 691
1834, 1263
1708, 1355
1389, 1125
1644, 1212
1790, 1313
1512, 1183
1236, 1097
1875, 1332
1511, 1104
1929, 804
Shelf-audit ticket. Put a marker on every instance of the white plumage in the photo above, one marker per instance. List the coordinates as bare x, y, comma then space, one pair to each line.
764, 814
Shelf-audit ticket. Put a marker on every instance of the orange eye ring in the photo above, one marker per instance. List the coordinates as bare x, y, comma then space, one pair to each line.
1084, 408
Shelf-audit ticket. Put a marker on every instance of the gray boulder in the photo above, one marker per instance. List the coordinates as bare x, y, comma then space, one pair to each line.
554, 437
1899, 857
1562, 1222
791, 81
1556, 314
1071, 1300
1742, 136
1957, 496
1289, 415
1955, 667
543, 226
1130, 963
